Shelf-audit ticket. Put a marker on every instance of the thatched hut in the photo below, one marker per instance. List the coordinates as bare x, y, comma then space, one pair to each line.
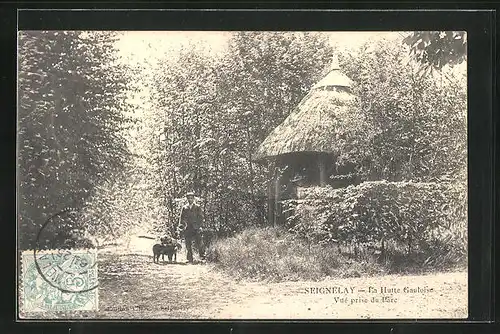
305, 146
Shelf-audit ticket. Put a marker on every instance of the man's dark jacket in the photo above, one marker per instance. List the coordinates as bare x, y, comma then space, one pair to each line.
191, 218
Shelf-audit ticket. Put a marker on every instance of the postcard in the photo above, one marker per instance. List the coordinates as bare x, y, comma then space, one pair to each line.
242, 175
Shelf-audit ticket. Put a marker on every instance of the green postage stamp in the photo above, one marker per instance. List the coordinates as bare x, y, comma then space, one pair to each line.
58, 281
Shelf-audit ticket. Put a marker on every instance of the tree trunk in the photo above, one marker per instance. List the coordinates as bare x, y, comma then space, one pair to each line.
409, 244
252, 175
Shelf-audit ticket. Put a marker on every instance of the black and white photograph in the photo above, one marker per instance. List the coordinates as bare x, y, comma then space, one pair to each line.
242, 175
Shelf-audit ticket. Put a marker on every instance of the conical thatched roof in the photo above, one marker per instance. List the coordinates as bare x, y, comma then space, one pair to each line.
335, 78
313, 125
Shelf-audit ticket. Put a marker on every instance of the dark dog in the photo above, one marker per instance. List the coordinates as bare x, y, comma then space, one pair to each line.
169, 247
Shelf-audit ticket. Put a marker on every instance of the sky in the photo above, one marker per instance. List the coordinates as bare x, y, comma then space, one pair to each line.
135, 42
146, 47
139, 46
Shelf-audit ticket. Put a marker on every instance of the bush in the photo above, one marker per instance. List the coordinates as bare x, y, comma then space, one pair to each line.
426, 218
275, 254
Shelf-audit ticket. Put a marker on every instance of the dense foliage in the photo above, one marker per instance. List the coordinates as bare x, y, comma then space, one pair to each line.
216, 110
200, 119
418, 124
71, 94
428, 218
436, 49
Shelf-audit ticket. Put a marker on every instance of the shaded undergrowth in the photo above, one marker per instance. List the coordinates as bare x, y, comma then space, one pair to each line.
273, 254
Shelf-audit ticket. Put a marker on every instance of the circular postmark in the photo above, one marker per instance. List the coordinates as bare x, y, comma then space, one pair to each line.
66, 270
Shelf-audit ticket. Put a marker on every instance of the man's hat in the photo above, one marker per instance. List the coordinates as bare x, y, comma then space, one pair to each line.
190, 193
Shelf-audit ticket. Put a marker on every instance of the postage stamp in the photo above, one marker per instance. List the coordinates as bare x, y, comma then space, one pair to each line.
242, 175
59, 281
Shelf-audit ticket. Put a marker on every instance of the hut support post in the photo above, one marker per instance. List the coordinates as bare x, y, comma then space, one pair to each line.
271, 198
277, 191
322, 171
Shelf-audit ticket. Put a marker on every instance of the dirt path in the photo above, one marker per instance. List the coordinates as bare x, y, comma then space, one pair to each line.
132, 286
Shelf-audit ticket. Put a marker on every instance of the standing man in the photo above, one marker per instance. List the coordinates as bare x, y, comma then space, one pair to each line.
190, 222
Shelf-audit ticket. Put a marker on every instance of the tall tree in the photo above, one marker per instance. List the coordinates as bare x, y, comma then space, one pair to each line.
419, 121
263, 78
72, 92
436, 49
217, 110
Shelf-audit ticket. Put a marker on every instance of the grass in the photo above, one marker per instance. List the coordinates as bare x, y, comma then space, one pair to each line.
273, 254
276, 255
